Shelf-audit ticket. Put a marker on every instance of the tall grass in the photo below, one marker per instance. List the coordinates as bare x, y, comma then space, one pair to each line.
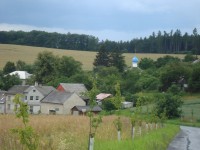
71, 133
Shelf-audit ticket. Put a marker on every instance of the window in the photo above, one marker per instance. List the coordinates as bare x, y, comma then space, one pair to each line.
56, 109
9, 97
37, 97
33, 90
25, 97
8, 106
31, 109
31, 97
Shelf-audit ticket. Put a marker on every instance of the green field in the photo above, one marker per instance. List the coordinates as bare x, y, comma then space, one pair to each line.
29, 54
191, 106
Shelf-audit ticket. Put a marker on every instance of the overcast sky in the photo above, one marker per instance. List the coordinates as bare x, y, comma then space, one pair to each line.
106, 19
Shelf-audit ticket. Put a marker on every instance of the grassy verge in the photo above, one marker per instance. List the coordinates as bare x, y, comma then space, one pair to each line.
184, 123
155, 140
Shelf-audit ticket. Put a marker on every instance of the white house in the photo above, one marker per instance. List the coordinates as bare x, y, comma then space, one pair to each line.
33, 96
23, 75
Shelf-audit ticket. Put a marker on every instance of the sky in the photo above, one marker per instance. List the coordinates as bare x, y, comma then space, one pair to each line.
114, 20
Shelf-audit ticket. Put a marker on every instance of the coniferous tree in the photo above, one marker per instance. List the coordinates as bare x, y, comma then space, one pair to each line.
117, 60
102, 57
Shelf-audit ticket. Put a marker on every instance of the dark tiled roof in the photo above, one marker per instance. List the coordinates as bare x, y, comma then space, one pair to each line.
57, 97
17, 89
95, 108
78, 88
45, 90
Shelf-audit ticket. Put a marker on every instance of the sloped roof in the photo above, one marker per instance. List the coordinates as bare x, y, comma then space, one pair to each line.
18, 89
102, 96
44, 90
87, 108
22, 74
78, 88
57, 97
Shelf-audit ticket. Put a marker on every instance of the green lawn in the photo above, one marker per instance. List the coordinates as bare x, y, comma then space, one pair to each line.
191, 106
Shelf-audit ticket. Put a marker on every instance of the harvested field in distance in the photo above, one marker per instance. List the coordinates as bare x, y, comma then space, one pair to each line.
29, 54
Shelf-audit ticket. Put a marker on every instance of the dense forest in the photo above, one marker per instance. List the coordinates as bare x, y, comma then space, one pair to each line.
160, 42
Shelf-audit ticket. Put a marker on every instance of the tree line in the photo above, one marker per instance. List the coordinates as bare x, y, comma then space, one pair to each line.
160, 42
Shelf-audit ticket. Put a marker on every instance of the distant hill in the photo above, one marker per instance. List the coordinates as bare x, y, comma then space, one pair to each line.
29, 54
173, 42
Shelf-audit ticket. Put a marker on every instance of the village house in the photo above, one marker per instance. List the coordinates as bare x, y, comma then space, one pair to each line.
44, 99
10, 94
60, 102
33, 96
23, 75
78, 88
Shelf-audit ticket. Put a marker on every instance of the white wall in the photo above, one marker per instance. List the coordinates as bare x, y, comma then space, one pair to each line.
74, 100
63, 108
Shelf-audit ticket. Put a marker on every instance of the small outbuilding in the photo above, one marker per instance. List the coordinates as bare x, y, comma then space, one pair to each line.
81, 110
102, 96
127, 104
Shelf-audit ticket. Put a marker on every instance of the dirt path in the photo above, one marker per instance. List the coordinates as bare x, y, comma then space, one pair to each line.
187, 139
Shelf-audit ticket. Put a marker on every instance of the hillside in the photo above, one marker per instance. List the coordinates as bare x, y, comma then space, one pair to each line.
29, 54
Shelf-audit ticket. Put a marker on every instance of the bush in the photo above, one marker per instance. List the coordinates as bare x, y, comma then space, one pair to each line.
169, 104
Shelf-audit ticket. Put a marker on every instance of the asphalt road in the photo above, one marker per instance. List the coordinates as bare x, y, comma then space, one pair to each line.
187, 139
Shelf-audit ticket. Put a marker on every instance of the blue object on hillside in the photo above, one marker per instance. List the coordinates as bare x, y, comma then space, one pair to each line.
135, 59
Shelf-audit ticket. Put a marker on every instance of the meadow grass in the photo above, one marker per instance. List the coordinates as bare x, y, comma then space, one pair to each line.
59, 132
9, 52
154, 140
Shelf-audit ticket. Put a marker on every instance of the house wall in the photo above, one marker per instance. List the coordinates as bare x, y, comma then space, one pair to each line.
2, 108
63, 108
10, 105
45, 107
35, 103
71, 102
